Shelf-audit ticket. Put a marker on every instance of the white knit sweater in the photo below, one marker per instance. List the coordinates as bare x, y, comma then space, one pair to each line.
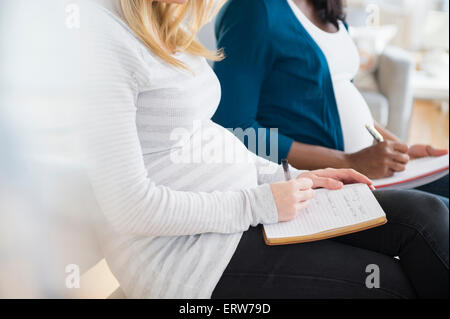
170, 218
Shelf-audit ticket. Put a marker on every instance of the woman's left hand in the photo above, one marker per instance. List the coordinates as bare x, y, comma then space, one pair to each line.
334, 179
419, 150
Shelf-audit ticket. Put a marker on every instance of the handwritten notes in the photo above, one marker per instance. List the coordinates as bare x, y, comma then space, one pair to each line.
354, 204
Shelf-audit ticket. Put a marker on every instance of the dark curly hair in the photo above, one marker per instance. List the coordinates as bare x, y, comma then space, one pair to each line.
329, 11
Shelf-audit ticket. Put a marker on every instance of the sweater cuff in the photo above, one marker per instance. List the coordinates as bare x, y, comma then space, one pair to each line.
264, 209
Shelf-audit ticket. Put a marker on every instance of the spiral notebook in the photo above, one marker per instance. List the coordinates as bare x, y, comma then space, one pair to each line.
330, 214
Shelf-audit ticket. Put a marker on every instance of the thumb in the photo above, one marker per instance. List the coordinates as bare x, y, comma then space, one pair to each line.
436, 152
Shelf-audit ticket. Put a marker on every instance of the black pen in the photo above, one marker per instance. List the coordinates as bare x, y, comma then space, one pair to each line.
287, 172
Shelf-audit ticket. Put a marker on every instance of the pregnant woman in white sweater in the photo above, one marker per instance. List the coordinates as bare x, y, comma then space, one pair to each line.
180, 197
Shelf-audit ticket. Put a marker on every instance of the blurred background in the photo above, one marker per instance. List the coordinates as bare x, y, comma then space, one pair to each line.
404, 72
45, 202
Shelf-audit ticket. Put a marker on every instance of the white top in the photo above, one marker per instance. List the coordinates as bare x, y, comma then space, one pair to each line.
343, 62
172, 207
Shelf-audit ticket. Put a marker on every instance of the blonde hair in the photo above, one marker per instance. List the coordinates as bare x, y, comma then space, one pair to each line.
167, 28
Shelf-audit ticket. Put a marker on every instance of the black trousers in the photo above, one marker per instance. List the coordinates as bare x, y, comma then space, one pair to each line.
411, 252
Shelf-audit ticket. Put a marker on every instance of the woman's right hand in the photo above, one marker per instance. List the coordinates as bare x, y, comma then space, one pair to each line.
380, 160
291, 197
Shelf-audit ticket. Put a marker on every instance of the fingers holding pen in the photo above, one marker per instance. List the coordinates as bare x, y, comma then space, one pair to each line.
292, 197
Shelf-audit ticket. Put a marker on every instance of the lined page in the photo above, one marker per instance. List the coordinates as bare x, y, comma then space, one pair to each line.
353, 204
415, 168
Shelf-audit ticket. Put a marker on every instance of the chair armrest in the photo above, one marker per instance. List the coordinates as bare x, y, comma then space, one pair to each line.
394, 81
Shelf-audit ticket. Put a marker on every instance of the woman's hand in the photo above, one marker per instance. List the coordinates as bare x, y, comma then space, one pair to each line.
381, 159
333, 179
419, 150
292, 197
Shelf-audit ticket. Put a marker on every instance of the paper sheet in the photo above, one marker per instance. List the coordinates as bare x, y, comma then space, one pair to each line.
415, 170
329, 210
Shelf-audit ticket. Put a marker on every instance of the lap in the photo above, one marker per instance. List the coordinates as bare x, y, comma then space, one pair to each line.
337, 268
324, 269
410, 214
439, 187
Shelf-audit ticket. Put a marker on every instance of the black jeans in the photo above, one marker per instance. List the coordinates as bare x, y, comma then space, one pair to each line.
417, 233
438, 188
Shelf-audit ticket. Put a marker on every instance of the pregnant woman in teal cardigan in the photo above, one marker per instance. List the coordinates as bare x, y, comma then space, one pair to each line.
289, 65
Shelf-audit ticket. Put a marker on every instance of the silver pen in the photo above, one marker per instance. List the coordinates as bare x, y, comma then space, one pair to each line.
375, 134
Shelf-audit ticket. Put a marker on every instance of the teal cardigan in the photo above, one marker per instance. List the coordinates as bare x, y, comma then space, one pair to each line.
274, 76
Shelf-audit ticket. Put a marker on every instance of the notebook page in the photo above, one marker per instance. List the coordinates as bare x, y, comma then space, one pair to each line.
414, 168
351, 205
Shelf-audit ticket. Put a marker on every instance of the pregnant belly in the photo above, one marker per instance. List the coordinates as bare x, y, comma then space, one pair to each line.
212, 159
354, 114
